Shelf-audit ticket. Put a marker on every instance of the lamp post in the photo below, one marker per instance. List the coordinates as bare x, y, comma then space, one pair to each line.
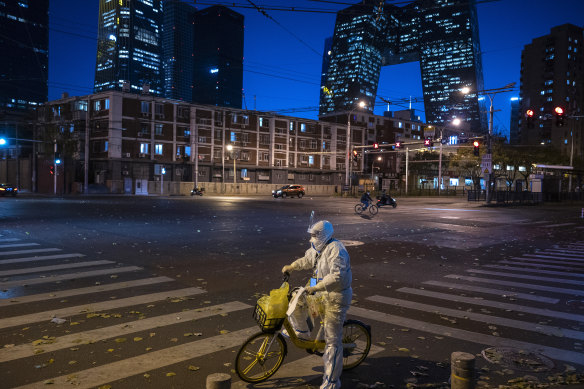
372, 169
348, 151
231, 149
491, 93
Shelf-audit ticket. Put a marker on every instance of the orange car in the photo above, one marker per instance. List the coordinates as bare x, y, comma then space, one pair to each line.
289, 191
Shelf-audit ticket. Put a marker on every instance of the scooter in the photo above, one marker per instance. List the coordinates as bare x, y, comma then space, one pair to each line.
388, 201
197, 191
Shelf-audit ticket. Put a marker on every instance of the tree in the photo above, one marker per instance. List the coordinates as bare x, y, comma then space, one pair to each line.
467, 164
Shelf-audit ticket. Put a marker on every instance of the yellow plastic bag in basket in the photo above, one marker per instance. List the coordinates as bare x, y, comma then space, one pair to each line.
276, 304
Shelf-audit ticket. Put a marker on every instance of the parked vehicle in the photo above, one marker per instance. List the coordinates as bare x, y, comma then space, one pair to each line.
289, 191
388, 201
197, 191
7, 189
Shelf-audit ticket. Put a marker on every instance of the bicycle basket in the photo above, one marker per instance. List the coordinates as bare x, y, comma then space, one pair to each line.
265, 324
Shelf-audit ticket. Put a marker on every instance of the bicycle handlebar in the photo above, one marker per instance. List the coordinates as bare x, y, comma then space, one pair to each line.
285, 276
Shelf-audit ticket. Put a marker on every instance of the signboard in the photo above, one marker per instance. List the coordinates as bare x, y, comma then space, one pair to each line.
487, 164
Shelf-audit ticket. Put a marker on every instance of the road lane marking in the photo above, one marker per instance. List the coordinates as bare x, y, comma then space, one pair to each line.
554, 261
96, 307
53, 267
560, 254
18, 252
534, 278
80, 291
498, 292
71, 276
74, 340
9, 240
487, 319
566, 251
538, 265
455, 209
96, 376
567, 272
459, 334
558, 225
41, 258
553, 257
5, 246
298, 372
494, 304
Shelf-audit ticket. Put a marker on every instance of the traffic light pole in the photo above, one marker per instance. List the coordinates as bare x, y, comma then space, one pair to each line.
55, 169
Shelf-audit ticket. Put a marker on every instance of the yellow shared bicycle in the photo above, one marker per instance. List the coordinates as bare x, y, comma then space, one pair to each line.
262, 354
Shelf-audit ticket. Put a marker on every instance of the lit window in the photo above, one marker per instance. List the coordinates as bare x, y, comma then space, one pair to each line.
158, 149
144, 147
233, 138
302, 127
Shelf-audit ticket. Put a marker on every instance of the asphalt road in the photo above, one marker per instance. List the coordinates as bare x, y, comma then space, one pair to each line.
158, 291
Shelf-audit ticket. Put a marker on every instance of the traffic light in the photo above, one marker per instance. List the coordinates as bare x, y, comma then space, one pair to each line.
397, 145
428, 142
57, 158
52, 170
529, 117
559, 111
375, 145
476, 148
354, 155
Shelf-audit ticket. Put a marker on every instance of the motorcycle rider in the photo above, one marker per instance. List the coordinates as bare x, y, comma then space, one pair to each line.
330, 262
366, 199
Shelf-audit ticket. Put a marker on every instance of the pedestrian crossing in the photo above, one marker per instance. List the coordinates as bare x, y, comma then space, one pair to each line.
101, 311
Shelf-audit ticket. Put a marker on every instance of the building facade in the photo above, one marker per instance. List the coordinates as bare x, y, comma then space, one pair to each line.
552, 76
218, 57
129, 52
441, 34
128, 138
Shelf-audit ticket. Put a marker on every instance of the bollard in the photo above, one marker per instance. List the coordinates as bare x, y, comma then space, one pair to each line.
462, 370
218, 381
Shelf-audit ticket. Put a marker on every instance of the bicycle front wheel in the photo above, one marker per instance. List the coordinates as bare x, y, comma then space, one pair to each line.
359, 209
356, 343
260, 357
373, 209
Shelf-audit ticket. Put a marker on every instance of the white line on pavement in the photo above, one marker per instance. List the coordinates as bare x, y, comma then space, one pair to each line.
44, 280
81, 291
498, 292
539, 265
554, 257
26, 350
9, 240
96, 307
53, 267
5, 246
567, 272
488, 319
558, 225
100, 375
554, 261
41, 258
494, 304
491, 340
534, 278
18, 252
567, 252
560, 254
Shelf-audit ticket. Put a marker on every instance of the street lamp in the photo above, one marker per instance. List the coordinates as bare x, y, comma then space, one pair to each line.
491, 93
372, 169
348, 151
231, 149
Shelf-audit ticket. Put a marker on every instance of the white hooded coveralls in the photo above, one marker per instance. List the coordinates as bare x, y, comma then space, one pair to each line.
332, 268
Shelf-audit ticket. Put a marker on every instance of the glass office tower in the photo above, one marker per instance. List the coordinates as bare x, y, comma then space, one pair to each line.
441, 34
24, 54
129, 54
218, 57
177, 50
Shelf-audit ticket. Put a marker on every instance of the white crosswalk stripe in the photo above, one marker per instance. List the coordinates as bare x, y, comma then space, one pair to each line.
4, 246
574, 292
527, 277
5, 273
539, 265
40, 258
552, 261
567, 272
19, 252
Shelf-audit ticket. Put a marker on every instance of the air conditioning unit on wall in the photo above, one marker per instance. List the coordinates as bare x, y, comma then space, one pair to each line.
128, 155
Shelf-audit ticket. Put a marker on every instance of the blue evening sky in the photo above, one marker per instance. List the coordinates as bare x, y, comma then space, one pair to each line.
283, 55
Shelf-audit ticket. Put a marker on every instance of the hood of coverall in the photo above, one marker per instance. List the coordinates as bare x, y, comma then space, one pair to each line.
321, 232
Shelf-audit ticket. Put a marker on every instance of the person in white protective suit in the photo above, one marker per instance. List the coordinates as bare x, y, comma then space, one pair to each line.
331, 266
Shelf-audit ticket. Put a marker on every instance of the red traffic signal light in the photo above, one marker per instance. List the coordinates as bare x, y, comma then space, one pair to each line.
476, 147
428, 142
559, 110
354, 155
375, 145
559, 116
397, 145
529, 113
52, 170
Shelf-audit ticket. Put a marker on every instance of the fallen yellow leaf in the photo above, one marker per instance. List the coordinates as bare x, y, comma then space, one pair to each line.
137, 339
193, 368
120, 340
170, 374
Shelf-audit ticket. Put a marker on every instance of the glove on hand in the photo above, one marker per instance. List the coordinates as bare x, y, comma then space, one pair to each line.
310, 290
287, 269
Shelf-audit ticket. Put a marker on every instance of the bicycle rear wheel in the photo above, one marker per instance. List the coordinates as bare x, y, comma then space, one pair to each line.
359, 336
255, 362
373, 209
359, 209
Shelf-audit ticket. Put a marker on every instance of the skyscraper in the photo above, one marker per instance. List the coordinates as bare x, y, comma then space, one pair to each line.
441, 34
177, 49
129, 50
551, 76
218, 57
24, 53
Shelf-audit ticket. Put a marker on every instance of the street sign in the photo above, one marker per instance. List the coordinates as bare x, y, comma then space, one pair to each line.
487, 164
